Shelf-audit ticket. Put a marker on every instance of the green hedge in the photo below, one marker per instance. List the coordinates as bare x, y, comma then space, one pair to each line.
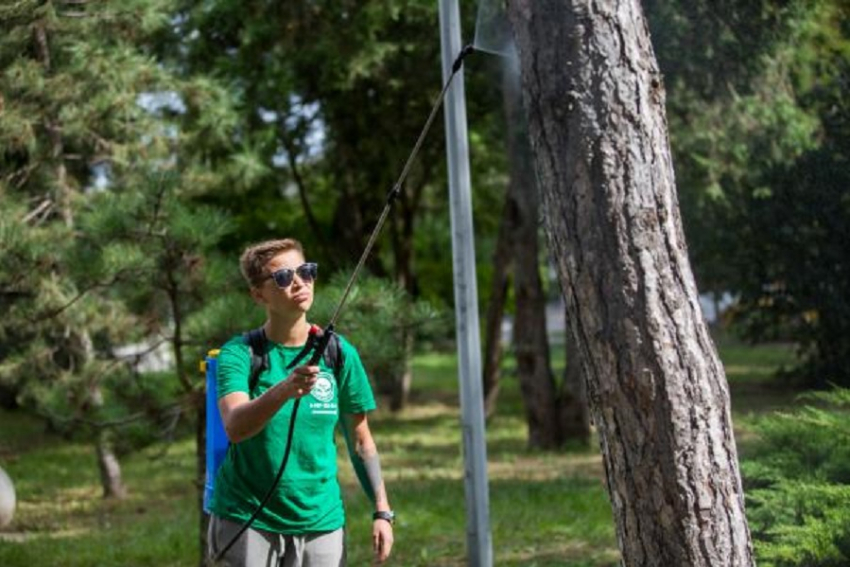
798, 484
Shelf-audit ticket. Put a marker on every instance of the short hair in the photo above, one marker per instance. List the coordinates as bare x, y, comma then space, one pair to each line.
255, 257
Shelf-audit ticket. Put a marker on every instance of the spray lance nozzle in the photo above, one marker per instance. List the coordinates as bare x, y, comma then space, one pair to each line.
459, 61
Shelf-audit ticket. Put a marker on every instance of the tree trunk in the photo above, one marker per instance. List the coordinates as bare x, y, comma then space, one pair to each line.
401, 383
496, 308
531, 346
575, 423
107, 462
403, 250
174, 291
657, 389
531, 341
8, 397
110, 468
530, 338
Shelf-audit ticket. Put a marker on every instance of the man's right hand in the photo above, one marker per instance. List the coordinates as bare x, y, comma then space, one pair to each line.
301, 381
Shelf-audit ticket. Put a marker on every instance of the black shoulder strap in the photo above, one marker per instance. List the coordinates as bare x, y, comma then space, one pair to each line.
333, 356
256, 341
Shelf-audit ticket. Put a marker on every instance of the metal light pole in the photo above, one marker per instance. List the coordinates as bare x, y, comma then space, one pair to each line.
478, 537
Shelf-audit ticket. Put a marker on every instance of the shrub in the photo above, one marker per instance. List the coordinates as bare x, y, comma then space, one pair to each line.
798, 484
379, 318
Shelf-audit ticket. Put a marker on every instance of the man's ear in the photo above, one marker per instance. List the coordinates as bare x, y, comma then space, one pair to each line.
257, 295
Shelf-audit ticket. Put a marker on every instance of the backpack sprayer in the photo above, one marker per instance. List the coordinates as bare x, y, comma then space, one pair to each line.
319, 338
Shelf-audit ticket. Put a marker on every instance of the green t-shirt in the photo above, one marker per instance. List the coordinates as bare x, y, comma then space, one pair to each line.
308, 498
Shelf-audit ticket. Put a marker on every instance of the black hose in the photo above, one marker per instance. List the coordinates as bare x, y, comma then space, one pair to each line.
319, 349
271, 490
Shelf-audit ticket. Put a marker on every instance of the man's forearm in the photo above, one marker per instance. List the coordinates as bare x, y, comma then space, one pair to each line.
371, 463
245, 420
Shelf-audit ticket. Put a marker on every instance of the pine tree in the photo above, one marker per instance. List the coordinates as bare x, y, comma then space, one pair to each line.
105, 151
88, 116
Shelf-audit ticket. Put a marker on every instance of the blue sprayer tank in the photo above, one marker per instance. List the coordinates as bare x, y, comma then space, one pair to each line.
216, 438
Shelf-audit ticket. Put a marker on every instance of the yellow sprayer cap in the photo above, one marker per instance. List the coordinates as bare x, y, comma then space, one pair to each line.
202, 366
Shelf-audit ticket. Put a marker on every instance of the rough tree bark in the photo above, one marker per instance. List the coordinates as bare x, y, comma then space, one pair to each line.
657, 389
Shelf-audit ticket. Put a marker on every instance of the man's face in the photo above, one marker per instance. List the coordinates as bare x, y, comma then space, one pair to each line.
297, 296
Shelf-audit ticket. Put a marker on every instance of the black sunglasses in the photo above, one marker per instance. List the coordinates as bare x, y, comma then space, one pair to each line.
283, 277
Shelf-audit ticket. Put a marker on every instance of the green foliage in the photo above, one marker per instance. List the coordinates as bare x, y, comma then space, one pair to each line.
708, 47
381, 320
160, 253
808, 525
103, 150
758, 124
227, 313
332, 96
798, 484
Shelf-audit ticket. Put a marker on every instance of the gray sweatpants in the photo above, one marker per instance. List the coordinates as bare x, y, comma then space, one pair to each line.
258, 548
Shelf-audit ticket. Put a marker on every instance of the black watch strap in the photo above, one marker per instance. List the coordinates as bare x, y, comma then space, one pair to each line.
387, 515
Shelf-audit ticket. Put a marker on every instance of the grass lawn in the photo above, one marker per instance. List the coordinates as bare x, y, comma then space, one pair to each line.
545, 509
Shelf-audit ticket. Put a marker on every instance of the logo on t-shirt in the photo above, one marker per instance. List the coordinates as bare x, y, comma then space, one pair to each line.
323, 390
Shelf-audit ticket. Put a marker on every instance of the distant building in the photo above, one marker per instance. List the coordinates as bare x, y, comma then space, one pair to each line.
147, 357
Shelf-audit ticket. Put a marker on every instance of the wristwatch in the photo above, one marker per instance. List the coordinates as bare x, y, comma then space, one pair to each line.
387, 515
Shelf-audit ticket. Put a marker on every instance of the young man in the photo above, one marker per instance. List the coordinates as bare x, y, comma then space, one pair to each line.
303, 522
